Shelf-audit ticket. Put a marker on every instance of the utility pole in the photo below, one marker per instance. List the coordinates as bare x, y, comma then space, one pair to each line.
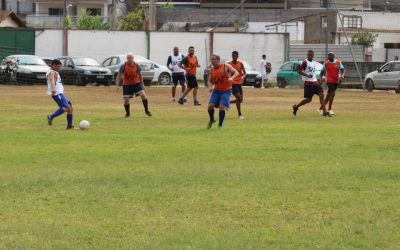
65, 29
286, 7
326, 28
114, 15
152, 15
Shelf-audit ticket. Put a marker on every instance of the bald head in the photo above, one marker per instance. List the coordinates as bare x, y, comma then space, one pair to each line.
129, 57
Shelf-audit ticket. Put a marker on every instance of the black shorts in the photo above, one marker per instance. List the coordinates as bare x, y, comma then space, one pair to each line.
332, 87
132, 90
312, 89
192, 81
178, 78
237, 89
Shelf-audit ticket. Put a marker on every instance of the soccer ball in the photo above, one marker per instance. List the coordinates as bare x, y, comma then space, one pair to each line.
84, 125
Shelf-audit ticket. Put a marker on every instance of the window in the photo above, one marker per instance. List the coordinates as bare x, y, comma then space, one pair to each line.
107, 62
287, 67
324, 22
324, 3
115, 61
56, 11
94, 11
352, 22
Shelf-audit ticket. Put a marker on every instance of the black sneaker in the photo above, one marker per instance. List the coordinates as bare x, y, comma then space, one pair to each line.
295, 108
185, 100
181, 101
326, 114
210, 123
196, 103
49, 120
148, 113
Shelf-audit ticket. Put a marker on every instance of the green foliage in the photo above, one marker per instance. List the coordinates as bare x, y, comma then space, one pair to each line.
167, 6
87, 22
68, 22
364, 38
134, 20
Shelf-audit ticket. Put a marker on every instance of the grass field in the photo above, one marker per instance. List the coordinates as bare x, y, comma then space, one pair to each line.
271, 181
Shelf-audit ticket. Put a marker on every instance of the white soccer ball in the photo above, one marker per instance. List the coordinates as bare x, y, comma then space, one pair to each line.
84, 125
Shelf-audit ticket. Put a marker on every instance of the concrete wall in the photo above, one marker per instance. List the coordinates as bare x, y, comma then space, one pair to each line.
101, 44
364, 67
299, 52
376, 20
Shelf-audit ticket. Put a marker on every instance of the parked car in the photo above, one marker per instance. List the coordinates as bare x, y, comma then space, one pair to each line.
253, 77
47, 60
151, 71
23, 69
287, 73
83, 70
386, 77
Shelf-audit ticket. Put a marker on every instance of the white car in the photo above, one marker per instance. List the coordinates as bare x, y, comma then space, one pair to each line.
162, 74
386, 77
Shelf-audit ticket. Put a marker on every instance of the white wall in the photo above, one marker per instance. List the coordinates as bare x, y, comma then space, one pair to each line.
295, 29
8, 22
101, 44
251, 47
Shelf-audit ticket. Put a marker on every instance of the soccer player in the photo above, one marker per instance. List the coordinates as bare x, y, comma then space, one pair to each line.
333, 71
220, 84
55, 89
311, 84
178, 74
263, 70
237, 90
190, 65
132, 84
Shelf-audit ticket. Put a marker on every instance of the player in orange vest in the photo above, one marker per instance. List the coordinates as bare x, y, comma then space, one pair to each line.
333, 71
220, 83
238, 81
190, 65
132, 84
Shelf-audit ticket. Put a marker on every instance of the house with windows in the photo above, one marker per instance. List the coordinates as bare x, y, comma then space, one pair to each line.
49, 13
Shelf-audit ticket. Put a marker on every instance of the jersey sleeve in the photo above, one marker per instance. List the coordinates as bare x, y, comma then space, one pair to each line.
302, 66
185, 61
169, 61
341, 67
121, 68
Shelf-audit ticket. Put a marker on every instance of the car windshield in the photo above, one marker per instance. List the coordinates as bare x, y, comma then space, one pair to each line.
85, 62
247, 66
30, 60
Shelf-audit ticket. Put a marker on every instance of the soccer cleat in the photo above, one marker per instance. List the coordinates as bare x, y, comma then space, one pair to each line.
326, 114
196, 103
295, 109
148, 113
241, 117
331, 112
210, 123
219, 127
320, 111
49, 120
71, 128
173, 99
184, 100
180, 101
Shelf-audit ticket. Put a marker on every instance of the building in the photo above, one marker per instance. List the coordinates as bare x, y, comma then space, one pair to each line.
9, 19
19, 7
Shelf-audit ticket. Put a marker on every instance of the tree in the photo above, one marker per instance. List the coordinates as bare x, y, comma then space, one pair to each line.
134, 20
87, 22
364, 38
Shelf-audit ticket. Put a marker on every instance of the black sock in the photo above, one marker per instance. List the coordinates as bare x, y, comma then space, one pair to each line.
211, 114
145, 105
127, 109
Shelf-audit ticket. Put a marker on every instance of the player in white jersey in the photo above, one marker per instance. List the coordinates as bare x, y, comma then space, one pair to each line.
55, 89
311, 84
178, 74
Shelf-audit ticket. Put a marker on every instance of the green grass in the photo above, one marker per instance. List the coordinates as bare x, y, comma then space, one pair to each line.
272, 181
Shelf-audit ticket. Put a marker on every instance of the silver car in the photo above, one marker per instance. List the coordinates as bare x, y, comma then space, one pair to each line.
386, 77
24, 69
114, 62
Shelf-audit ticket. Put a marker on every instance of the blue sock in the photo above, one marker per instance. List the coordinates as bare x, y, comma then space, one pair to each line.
221, 117
57, 113
211, 114
69, 120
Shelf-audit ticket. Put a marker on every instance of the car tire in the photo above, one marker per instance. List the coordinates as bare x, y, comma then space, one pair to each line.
398, 88
281, 83
78, 81
370, 85
164, 79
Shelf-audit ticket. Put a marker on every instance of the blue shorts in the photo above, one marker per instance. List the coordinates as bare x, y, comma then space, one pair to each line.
61, 101
178, 78
220, 97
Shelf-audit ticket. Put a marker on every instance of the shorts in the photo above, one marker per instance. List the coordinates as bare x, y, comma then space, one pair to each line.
220, 97
332, 87
312, 89
265, 76
191, 81
61, 100
132, 90
237, 89
178, 78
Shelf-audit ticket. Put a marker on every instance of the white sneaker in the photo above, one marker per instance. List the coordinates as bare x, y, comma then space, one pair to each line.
331, 112
320, 111
241, 117
173, 99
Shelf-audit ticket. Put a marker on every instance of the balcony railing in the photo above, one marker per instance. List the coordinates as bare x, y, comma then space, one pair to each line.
48, 21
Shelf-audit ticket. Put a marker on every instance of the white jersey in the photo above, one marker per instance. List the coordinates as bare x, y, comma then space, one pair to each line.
263, 63
310, 69
59, 85
175, 60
